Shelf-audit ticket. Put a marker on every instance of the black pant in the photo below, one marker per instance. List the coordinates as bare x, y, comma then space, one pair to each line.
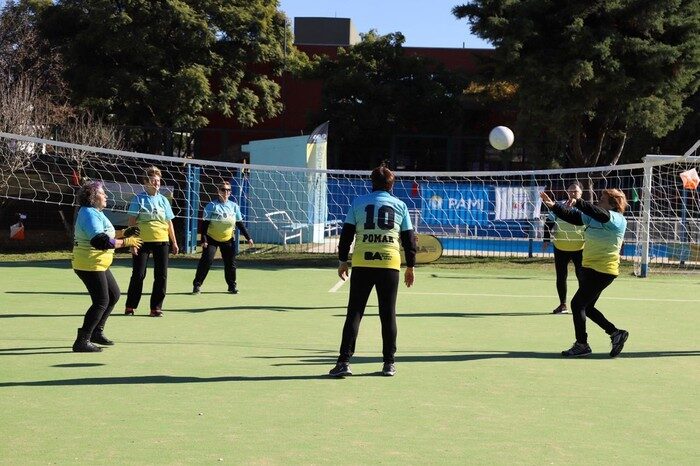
228, 253
561, 264
104, 293
362, 280
138, 274
591, 285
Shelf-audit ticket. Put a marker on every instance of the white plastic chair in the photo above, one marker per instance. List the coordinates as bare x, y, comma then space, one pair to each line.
284, 225
333, 227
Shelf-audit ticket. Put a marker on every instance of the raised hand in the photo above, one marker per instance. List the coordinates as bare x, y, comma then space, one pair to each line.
546, 200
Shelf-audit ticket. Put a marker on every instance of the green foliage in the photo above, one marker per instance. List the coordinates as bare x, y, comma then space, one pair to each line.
592, 72
374, 90
168, 63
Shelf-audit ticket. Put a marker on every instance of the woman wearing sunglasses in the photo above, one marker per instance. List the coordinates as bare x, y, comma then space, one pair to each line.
221, 218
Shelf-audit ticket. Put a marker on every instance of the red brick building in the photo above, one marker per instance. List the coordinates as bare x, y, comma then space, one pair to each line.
301, 98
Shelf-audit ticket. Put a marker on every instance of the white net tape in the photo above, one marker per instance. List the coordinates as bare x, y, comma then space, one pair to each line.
301, 210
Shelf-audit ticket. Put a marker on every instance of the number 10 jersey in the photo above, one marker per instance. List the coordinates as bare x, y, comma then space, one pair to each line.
379, 218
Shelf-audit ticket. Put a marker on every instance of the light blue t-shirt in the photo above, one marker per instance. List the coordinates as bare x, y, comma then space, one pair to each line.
222, 217
90, 223
379, 218
153, 214
603, 241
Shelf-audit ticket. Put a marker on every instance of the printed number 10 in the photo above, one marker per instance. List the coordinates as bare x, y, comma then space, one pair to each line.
385, 217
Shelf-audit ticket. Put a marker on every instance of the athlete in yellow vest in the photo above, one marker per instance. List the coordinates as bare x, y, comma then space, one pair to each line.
604, 232
151, 212
379, 224
93, 250
221, 218
568, 246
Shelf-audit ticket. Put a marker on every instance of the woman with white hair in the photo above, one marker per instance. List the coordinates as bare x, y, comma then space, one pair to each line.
93, 250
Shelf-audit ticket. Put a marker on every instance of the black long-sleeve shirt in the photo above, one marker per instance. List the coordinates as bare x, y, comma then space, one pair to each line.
102, 241
573, 216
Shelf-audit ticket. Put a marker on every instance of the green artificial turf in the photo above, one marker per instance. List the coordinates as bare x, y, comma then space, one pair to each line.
240, 379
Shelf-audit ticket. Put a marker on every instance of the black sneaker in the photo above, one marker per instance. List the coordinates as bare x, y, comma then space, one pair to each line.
340, 370
233, 290
388, 369
195, 290
618, 340
562, 309
577, 350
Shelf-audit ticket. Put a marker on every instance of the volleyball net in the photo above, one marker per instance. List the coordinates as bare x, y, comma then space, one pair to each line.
301, 210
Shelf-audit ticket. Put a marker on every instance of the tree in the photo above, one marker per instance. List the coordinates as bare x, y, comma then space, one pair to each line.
373, 90
168, 63
32, 93
34, 102
594, 72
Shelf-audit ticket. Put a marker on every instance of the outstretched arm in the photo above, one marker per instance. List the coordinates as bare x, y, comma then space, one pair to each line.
596, 213
567, 214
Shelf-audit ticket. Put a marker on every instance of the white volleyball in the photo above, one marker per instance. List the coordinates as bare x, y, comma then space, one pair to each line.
501, 137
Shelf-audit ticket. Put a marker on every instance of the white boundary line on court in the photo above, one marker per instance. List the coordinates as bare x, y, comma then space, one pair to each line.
340, 283
491, 295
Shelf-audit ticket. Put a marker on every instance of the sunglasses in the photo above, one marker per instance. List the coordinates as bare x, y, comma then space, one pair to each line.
225, 190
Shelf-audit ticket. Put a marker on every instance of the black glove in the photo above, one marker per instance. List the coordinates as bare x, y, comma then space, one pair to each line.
131, 231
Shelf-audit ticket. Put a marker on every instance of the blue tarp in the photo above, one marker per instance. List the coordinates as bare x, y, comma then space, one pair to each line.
443, 206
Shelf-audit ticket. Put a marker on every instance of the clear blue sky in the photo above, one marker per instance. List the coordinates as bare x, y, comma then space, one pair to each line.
424, 23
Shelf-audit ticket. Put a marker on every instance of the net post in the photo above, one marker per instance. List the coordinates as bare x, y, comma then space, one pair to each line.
646, 219
685, 234
192, 203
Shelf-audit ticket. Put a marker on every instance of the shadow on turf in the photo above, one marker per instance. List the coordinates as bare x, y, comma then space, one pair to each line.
192, 311
33, 350
463, 314
257, 308
475, 356
159, 379
169, 379
486, 277
9, 316
80, 364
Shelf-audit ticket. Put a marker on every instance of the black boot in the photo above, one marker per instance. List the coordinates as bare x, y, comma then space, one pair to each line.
99, 337
83, 345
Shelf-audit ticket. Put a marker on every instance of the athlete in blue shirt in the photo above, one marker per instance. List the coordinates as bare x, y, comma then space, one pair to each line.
379, 224
93, 250
221, 218
151, 212
604, 232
